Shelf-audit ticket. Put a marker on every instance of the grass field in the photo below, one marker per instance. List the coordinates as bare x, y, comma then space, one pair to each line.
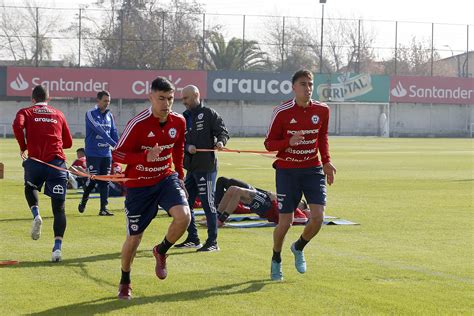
412, 253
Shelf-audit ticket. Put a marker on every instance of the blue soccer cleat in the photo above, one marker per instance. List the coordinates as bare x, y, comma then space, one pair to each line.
300, 262
276, 274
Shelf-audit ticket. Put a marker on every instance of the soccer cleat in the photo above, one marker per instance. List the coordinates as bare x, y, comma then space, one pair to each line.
124, 292
275, 273
105, 212
36, 228
209, 246
300, 262
160, 267
56, 257
81, 207
189, 244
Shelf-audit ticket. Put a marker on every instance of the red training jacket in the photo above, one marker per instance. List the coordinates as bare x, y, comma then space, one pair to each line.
140, 135
289, 118
47, 132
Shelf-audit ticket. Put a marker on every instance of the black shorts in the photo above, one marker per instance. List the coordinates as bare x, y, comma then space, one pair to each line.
292, 183
261, 203
141, 204
37, 173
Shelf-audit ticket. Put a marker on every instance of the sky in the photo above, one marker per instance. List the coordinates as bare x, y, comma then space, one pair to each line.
451, 17
439, 11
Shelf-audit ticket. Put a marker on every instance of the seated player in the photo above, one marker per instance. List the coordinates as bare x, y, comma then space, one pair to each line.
116, 188
234, 195
75, 182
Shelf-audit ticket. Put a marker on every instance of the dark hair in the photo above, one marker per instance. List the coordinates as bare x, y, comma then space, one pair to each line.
81, 149
101, 94
301, 73
162, 84
40, 93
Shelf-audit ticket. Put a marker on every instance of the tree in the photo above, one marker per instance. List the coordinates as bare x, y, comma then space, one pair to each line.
141, 34
25, 31
412, 59
234, 55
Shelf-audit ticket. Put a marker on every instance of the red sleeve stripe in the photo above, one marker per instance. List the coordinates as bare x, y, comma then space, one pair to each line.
278, 109
140, 117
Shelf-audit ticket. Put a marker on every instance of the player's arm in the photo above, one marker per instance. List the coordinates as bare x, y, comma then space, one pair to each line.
128, 149
18, 129
219, 131
178, 151
92, 123
323, 148
113, 129
66, 134
276, 140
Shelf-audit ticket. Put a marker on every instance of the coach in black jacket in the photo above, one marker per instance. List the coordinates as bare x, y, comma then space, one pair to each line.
204, 130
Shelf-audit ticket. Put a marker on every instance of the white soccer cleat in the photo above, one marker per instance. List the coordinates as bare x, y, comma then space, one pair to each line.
56, 257
36, 228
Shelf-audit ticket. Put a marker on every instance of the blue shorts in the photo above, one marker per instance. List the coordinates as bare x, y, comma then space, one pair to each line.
99, 165
36, 174
261, 203
141, 204
292, 183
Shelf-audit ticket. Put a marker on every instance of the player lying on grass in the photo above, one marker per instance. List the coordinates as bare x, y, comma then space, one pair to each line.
236, 196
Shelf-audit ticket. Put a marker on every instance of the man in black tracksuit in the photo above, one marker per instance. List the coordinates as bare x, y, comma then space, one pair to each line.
204, 130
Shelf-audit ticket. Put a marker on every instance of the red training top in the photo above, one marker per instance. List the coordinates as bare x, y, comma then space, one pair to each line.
140, 135
289, 118
80, 162
47, 132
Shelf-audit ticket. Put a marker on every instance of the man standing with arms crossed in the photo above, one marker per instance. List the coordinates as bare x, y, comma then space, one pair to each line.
298, 131
47, 134
151, 142
101, 134
204, 130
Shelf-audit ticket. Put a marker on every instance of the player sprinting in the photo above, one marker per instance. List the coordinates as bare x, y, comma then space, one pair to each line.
299, 131
151, 142
42, 133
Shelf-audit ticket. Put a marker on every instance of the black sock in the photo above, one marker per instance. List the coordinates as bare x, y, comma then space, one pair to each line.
223, 216
300, 243
125, 279
164, 246
276, 256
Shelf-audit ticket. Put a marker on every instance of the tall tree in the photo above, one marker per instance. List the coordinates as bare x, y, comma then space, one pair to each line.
25, 32
236, 54
145, 34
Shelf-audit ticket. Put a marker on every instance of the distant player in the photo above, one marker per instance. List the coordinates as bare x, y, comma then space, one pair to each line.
80, 165
101, 135
234, 195
42, 133
299, 131
151, 142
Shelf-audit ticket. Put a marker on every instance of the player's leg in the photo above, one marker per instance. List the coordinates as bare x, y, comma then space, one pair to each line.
232, 197
35, 175
206, 185
173, 199
221, 187
104, 169
93, 168
192, 239
56, 187
129, 250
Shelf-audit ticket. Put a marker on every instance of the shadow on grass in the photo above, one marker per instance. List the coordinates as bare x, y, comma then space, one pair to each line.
76, 214
110, 304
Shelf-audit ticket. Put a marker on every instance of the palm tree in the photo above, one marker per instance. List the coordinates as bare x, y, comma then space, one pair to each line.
234, 55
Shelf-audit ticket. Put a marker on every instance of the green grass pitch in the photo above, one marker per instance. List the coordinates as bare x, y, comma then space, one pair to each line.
412, 253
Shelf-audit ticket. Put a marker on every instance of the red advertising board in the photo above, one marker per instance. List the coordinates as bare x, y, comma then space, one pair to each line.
86, 82
437, 90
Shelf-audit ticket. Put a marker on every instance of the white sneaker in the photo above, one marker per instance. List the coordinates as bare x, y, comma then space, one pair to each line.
56, 257
36, 228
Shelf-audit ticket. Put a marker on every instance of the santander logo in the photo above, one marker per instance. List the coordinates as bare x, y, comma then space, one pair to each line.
399, 91
19, 84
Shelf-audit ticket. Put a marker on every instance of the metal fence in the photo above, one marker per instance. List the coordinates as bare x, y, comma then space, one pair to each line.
110, 38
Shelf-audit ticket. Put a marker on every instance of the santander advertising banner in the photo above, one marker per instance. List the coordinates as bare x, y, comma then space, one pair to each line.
437, 90
86, 82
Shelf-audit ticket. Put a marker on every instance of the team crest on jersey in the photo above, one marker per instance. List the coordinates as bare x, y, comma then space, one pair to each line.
200, 116
315, 119
172, 132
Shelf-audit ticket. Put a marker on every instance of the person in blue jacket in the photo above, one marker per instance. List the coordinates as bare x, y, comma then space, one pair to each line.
101, 135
